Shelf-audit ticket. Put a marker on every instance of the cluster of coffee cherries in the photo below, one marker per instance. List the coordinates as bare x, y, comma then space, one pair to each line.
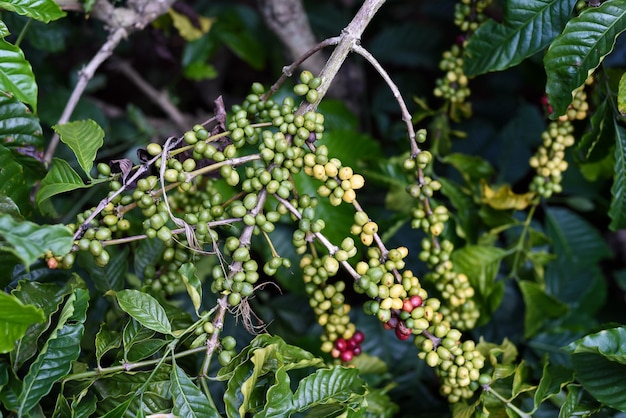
308, 86
453, 86
402, 305
340, 337
549, 160
458, 363
364, 227
454, 288
204, 331
340, 183
469, 14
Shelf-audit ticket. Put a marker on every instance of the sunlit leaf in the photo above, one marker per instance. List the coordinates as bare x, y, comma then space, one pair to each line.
579, 50
84, 137
15, 318
145, 309
503, 198
188, 29
43, 10
19, 126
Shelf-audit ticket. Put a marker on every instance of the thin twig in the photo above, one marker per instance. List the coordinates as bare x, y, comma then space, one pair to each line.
350, 37
84, 76
406, 116
288, 70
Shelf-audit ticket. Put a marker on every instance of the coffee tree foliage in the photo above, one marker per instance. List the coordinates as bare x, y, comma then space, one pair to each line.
215, 236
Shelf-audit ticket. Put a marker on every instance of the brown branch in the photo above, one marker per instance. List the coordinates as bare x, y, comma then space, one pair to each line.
122, 21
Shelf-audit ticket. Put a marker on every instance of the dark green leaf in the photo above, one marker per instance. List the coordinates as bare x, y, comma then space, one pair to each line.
574, 238
243, 45
471, 167
119, 410
580, 49
134, 333
60, 179
528, 27
62, 408
395, 45
609, 343
338, 384
144, 349
148, 252
106, 341
16, 75
112, 275
56, 356
617, 211
84, 406
12, 180
29, 241
15, 318
49, 298
539, 307
123, 384
19, 127
84, 137
278, 396
597, 142
189, 401
553, 379
233, 398
44, 10
577, 403
145, 309
602, 378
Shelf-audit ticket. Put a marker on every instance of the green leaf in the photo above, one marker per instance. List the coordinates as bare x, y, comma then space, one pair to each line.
15, 318
621, 95
580, 49
539, 307
134, 333
189, 401
106, 340
56, 356
574, 237
60, 179
84, 137
233, 398
112, 275
145, 309
43, 10
553, 379
49, 297
144, 349
471, 167
278, 396
243, 45
16, 75
578, 403
19, 127
338, 384
609, 343
29, 241
599, 141
192, 284
617, 210
602, 378
528, 27
12, 181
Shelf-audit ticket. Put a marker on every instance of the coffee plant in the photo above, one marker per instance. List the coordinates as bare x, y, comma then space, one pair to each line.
431, 224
